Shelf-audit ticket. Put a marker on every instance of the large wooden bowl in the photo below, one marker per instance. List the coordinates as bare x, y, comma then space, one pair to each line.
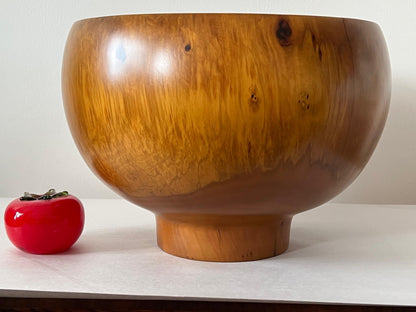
226, 125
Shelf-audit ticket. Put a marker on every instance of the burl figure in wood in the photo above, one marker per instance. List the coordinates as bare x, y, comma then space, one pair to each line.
226, 125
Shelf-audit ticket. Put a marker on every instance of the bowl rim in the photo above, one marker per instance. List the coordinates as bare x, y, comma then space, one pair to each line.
133, 15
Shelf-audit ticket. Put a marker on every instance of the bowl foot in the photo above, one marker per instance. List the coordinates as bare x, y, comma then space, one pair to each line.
223, 238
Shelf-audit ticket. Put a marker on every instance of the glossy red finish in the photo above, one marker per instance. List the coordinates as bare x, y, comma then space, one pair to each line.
44, 226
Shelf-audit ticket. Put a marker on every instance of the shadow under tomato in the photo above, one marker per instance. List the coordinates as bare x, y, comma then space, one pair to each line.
114, 241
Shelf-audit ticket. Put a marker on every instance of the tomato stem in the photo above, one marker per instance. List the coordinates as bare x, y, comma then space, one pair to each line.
48, 195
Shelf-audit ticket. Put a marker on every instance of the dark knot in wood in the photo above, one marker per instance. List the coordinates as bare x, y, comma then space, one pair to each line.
284, 32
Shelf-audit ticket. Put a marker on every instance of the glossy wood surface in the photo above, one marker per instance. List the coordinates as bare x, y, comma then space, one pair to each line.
203, 118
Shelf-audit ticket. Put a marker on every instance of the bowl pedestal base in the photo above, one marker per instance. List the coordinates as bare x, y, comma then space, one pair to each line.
223, 238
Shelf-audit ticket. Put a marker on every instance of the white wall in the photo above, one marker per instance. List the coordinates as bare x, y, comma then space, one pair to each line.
37, 150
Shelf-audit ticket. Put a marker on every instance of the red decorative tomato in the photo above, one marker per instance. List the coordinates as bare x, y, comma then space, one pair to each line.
44, 224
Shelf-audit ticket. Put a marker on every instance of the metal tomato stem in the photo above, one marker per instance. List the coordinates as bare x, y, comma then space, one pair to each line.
48, 195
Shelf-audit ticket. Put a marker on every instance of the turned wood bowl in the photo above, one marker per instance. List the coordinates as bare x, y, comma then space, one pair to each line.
226, 125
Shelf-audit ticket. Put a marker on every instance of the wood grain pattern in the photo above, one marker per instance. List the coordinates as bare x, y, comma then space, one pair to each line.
192, 115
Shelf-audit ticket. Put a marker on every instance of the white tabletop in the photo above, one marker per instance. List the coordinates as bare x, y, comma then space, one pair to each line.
339, 253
